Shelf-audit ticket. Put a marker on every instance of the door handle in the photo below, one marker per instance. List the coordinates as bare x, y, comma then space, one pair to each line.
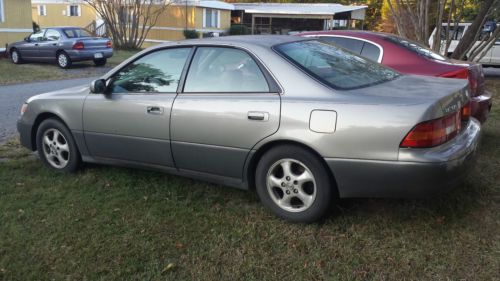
36, 44
258, 115
156, 110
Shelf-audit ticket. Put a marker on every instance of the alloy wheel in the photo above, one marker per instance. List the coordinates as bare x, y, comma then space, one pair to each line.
55, 148
291, 185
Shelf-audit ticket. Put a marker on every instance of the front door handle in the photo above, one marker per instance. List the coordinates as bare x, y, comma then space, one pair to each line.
258, 115
156, 110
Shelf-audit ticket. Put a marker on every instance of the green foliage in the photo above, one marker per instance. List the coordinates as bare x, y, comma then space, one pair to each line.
191, 34
238, 29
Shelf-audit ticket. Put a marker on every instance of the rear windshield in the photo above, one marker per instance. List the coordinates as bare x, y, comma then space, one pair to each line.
415, 47
334, 66
75, 33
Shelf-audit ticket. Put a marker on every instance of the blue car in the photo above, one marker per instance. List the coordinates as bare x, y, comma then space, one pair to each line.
64, 45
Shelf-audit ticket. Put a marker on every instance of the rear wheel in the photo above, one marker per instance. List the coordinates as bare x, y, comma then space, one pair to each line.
100, 62
15, 56
63, 60
56, 147
294, 184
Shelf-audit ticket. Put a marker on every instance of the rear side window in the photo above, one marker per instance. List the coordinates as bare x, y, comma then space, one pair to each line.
157, 72
334, 66
352, 45
370, 51
224, 70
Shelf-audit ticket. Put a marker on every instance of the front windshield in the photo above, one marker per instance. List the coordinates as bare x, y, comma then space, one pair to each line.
334, 66
75, 33
416, 48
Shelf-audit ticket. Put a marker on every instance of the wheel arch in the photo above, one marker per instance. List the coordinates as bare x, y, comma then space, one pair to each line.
38, 120
257, 155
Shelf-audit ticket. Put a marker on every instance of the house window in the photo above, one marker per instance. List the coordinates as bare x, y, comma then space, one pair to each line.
211, 18
2, 16
42, 10
74, 11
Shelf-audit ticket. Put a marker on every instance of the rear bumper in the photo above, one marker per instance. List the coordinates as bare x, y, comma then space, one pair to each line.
81, 55
481, 106
417, 173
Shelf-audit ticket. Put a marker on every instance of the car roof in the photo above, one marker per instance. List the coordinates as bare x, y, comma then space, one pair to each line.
240, 40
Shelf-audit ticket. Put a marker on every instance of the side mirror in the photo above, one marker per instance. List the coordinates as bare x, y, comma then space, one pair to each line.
27, 38
98, 86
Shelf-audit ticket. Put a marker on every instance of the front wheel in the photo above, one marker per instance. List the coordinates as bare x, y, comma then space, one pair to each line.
63, 60
15, 56
100, 62
56, 147
294, 184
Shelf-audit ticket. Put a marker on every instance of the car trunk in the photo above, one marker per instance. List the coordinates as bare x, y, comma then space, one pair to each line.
94, 42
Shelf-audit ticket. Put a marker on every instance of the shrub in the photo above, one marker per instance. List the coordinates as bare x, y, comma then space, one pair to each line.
191, 34
36, 27
238, 29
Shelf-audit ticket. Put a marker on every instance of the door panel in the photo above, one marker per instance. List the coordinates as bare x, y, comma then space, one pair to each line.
212, 133
495, 53
120, 127
132, 122
48, 47
29, 50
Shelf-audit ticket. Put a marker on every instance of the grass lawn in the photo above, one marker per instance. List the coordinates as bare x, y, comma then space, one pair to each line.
108, 223
30, 72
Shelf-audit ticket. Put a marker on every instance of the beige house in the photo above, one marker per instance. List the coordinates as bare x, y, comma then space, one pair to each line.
204, 16
47, 13
15, 21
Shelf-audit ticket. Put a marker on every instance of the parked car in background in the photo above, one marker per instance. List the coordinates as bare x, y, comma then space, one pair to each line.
492, 56
63, 45
300, 120
410, 57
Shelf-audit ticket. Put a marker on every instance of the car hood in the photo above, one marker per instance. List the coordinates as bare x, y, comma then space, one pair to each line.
74, 92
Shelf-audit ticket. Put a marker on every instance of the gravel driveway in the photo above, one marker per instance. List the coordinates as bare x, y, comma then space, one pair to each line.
13, 96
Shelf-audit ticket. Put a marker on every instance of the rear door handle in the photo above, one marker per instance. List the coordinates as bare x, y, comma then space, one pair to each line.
258, 115
156, 110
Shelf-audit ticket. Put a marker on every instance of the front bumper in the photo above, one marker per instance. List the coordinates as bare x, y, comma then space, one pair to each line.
25, 136
88, 54
481, 106
417, 173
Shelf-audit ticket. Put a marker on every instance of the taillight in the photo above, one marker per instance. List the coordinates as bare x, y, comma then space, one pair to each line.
78, 46
434, 132
109, 44
466, 112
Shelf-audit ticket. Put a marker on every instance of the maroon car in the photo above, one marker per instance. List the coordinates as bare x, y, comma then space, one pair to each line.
410, 57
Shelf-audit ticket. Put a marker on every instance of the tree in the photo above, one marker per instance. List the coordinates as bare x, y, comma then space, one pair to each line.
129, 21
414, 18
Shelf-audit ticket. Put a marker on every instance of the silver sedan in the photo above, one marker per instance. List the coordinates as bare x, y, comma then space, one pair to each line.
301, 121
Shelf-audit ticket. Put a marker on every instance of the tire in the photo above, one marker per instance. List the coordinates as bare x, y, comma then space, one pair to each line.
306, 201
15, 57
63, 60
100, 62
56, 147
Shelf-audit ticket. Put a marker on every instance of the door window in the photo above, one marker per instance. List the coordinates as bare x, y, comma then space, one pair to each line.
370, 51
352, 45
37, 36
52, 35
157, 72
224, 70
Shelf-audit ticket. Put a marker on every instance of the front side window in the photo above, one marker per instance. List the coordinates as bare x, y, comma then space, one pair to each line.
75, 33
224, 70
158, 72
334, 66
52, 35
211, 18
37, 36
